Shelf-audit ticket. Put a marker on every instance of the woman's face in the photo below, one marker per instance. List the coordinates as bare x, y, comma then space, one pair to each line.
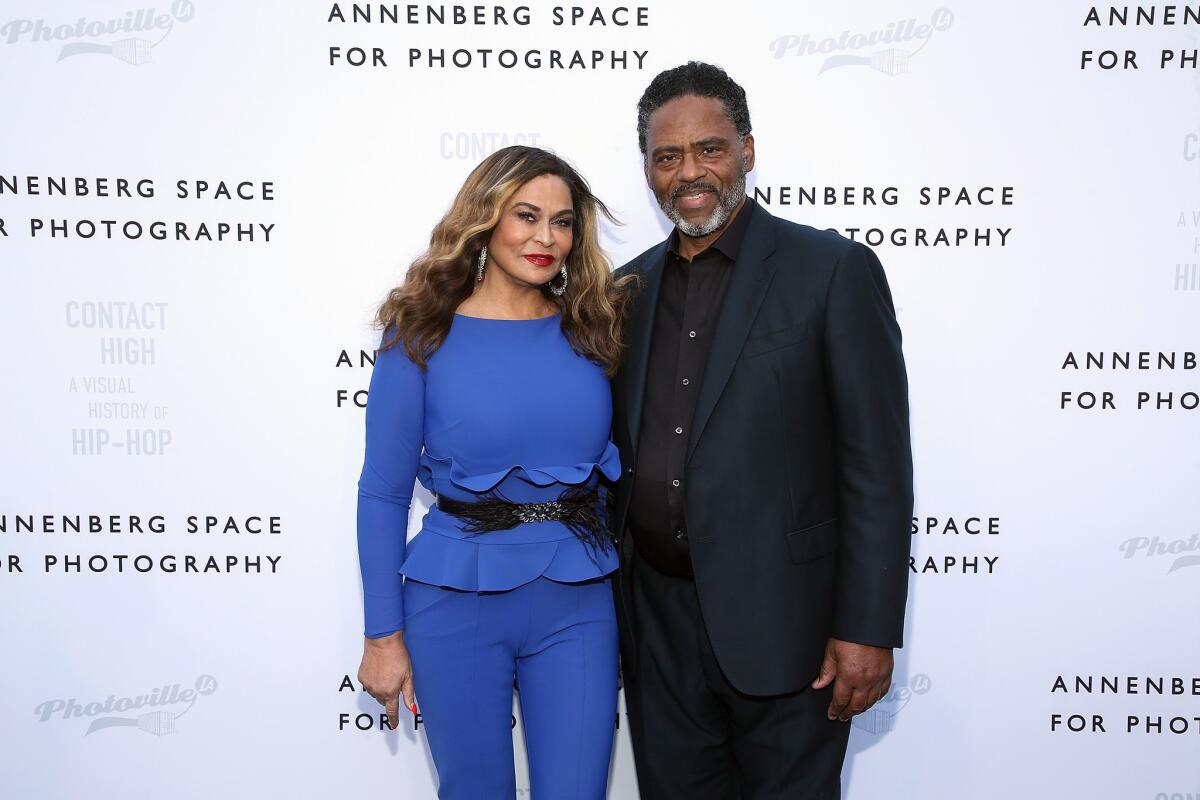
534, 234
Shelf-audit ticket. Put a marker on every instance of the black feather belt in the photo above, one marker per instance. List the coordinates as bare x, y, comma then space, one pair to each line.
578, 508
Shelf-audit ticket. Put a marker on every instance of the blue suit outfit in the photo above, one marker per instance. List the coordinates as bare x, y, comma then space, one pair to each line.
504, 407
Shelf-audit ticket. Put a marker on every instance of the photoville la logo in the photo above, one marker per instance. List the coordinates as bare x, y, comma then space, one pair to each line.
158, 721
134, 29
1181, 553
904, 39
880, 717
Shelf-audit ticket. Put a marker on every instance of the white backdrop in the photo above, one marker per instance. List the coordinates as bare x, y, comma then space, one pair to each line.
188, 370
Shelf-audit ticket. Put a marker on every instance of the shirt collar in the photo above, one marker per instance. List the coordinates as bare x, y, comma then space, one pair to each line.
729, 243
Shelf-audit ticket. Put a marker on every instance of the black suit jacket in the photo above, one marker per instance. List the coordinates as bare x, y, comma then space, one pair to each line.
798, 482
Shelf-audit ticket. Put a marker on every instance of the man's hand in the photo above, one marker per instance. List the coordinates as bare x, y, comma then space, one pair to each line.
863, 675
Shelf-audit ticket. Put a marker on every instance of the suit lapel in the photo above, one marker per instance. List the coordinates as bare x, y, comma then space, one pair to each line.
640, 328
747, 287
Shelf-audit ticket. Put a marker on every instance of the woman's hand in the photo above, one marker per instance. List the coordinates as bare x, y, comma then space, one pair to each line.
386, 673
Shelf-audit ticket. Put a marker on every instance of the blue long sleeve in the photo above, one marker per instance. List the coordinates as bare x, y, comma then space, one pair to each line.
394, 438
506, 407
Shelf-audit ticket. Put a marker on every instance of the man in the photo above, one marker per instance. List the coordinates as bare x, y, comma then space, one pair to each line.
763, 513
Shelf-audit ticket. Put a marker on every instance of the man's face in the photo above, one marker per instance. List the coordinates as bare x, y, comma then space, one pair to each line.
695, 164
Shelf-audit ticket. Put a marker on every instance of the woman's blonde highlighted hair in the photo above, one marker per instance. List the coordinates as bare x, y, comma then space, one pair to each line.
418, 313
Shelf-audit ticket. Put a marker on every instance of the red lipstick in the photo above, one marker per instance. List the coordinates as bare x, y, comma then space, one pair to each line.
540, 259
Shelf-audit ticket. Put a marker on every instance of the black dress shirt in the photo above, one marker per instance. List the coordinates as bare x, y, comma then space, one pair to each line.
689, 305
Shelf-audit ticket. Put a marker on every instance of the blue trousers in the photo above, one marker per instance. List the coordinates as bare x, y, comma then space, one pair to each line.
559, 640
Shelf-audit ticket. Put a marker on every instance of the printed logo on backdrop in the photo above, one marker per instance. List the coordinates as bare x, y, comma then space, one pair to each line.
960, 544
125, 337
1186, 275
1186, 272
475, 146
1119, 58
1174, 554
376, 720
881, 717
1192, 140
355, 358
888, 49
215, 533
143, 712
215, 196
1141, 381
611, 30
959, 211
125, 38
1144, 704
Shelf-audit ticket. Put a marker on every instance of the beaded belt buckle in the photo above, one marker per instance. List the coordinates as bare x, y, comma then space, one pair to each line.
578, 508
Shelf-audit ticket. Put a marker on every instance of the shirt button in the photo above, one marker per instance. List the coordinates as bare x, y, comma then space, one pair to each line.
629, 470
691, 334
679, 430
686, 381
675, 483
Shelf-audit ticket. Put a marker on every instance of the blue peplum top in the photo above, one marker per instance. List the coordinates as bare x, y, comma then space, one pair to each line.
504, 406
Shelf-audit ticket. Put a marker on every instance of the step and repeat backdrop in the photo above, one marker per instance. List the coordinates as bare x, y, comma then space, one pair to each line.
202, 203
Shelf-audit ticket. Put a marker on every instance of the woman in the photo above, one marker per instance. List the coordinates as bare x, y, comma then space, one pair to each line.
491, 387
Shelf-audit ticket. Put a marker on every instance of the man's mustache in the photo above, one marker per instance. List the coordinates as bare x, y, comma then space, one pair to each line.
692, 188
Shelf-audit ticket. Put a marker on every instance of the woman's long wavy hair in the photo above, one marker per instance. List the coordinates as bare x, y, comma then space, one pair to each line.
418, 313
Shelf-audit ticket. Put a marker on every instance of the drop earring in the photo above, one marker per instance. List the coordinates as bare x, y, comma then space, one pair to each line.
558, 291
480, 264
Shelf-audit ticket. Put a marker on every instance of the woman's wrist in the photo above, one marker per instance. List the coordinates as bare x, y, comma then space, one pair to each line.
391, 640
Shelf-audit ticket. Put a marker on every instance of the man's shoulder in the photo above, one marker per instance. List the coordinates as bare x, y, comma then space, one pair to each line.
639, 263
815, 242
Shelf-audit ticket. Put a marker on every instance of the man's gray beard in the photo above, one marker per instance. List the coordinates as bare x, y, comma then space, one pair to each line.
727, 201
